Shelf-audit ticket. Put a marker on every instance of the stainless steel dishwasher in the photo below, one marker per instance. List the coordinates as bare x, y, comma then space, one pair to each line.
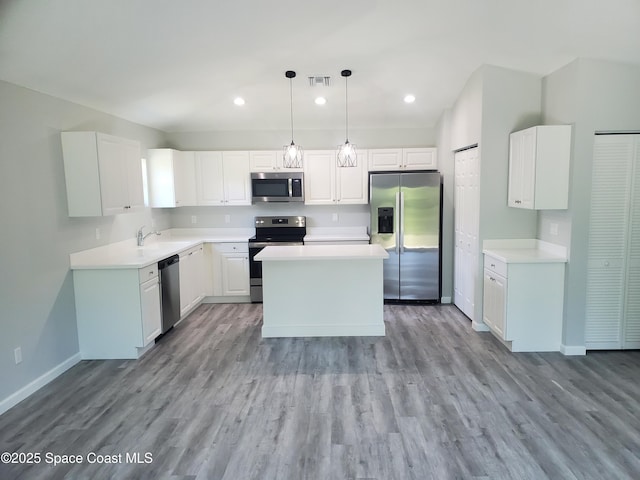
169, 270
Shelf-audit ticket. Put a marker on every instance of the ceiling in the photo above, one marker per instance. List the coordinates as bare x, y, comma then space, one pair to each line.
178, 65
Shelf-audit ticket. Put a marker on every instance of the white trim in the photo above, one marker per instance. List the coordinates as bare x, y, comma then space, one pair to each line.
279, 331
445, 300
15, 398
479, 327
570, 350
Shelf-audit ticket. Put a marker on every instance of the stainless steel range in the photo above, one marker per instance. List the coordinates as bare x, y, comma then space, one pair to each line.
272, 231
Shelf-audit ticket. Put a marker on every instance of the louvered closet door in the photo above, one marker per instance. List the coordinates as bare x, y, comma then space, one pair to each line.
631, 323
608, 225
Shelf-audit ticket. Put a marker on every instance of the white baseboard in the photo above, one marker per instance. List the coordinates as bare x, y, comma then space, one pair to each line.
479, 327
570, 350
38, 383
445, 300
366, 330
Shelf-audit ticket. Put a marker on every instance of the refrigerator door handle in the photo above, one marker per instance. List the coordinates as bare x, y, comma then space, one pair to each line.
401, 222
398, 224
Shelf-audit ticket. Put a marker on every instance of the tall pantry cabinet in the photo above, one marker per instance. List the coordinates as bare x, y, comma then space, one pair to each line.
613, 269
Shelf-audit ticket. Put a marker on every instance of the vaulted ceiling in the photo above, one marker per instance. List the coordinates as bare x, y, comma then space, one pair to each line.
178, 65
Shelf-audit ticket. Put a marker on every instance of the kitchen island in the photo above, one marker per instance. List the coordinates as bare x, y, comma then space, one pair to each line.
322, 290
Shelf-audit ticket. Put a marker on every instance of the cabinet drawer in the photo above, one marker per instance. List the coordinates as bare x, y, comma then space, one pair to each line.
147, 273
231, 247
495, 265
190, 251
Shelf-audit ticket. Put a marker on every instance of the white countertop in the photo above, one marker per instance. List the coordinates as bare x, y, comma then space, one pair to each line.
127, 254
321, 252
525, 251
336, 234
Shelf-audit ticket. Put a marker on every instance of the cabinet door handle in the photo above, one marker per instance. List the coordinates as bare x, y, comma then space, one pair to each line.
492, 279
493, 265
518, 201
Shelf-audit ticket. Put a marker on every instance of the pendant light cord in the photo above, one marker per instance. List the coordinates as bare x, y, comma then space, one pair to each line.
346, 107
291, 104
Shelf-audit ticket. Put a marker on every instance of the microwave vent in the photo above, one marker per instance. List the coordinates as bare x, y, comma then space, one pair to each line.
320, 81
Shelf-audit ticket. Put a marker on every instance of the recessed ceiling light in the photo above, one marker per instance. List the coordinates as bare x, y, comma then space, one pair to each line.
239, 101
409, 99
320, 100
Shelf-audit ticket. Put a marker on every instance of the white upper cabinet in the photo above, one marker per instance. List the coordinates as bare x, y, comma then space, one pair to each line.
420, 158
237, 178
171, 178
539, 167
390, 159
268, 161
103, 174
223, 178
327, 184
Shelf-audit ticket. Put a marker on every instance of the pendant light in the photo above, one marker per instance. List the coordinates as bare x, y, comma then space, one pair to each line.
292, 154
347, 156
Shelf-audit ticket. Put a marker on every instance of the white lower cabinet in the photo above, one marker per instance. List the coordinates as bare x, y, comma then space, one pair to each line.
495, 302
523, 304
151, 310
192, 279
117, 310
230, 269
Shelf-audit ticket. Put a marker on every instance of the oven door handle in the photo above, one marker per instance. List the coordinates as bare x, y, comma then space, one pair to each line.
273, 244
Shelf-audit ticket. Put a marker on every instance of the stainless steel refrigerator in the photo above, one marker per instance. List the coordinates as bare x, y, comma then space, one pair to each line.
405, 220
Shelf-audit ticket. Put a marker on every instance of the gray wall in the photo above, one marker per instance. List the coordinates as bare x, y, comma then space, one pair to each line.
36, 293
593, 96
446, 167
308, 139
494, 102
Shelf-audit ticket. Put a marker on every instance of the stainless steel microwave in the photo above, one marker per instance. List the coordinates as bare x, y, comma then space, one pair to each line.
277, 187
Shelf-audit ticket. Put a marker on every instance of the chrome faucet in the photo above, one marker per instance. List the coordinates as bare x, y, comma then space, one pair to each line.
141, 236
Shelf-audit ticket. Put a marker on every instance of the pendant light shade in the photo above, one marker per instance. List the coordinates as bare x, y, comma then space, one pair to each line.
292, 154
347, 156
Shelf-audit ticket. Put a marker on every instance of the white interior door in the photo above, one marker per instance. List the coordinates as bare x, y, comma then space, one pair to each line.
466, 221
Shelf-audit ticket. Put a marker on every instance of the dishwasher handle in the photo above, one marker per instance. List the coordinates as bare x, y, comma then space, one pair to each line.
168, 261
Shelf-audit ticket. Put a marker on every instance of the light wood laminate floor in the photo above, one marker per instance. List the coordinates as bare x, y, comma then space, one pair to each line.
431, 400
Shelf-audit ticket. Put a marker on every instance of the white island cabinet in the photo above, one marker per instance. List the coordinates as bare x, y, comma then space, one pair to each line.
322, 290
524, 293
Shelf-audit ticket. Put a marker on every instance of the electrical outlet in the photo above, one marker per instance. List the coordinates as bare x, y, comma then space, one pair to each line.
17, 353
227, 219
334, 217
194, 219
97, 234
553, 229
